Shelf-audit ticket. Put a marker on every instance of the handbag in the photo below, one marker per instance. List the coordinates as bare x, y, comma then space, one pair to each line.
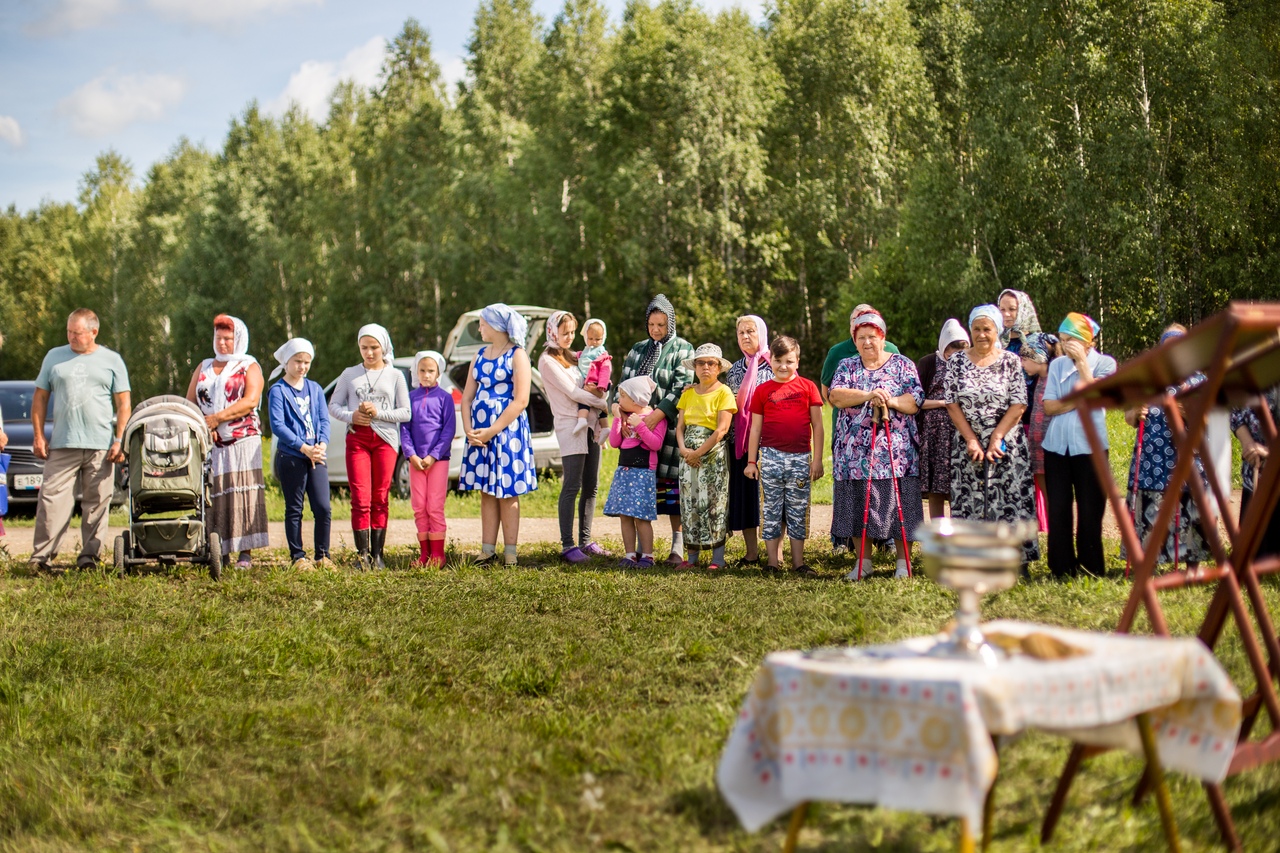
5, 459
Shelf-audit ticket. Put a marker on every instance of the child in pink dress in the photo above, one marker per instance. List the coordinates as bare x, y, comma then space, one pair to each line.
633, 494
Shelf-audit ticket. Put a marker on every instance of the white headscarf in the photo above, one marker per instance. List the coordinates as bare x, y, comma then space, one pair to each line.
379, 334
595, 321
288, 350
419, 356
952, 331
639, 388
240, 350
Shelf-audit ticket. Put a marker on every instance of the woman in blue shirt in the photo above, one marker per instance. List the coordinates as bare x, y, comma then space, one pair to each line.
300, 425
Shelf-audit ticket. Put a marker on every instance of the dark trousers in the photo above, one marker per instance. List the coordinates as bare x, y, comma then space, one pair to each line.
298, 479
578, 486
1071, 480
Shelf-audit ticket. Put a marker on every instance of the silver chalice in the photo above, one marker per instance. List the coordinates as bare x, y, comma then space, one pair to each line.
974, 558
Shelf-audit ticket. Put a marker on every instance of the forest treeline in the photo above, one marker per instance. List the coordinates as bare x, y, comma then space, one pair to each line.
1118, 157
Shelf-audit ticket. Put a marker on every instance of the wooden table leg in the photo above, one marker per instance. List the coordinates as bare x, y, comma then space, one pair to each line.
1156, 773
793, 831
989, 804
966, 836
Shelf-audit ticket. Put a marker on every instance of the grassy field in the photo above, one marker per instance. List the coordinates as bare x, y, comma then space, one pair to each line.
467, 709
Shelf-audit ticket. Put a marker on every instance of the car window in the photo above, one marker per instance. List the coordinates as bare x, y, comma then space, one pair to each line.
470, 335
15, 403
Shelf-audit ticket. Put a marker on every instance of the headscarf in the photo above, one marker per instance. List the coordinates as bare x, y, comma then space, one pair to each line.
989, 311
1024, 323
419, 356
240, 350
952, 331
639, 388
1172, 333
595, 321
553, 327
651, 353
1081, 327
1035, 346
872, 319
288, 350
742, 429
506, 319
379, 334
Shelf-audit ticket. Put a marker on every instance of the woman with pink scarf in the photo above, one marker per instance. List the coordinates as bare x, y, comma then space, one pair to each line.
748, 372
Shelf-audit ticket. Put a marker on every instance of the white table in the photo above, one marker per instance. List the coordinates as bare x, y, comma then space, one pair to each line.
891, 728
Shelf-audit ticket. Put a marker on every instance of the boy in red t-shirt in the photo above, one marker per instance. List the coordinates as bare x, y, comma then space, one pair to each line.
785, 451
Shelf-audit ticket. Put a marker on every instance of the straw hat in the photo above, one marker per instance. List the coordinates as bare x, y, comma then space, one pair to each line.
708, 351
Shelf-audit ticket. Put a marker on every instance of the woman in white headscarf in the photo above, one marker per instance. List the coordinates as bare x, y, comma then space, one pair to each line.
228, 388
933, 423
300, 427
373, 398
746, 373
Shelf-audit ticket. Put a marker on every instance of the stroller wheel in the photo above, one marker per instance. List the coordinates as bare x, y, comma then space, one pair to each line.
118, 553
214, 557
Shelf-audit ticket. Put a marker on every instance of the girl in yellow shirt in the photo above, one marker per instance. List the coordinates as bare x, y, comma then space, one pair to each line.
706, 410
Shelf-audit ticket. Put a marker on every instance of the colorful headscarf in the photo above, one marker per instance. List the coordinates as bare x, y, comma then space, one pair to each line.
991, 312
417, 359
1036, 346
553, 327
288, 350
1081, 327
1024, 323
379, 334
952, 331
240, 349
595, 321
651, 353
1172, 333
507, 320
639, 388
742, 429
872, 319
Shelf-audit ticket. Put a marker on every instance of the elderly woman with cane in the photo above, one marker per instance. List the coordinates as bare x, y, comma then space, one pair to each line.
986, 393
875, 464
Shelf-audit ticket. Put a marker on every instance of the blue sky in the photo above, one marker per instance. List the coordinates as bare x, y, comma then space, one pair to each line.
82, 76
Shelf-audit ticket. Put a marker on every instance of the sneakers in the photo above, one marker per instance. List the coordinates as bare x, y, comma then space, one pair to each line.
591, 549
303, 564
573, 555
901, 571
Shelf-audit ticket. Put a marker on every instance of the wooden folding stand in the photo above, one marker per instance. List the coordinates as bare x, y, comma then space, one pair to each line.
1238, 353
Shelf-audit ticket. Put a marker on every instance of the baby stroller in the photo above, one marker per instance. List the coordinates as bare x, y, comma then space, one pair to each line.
167, 446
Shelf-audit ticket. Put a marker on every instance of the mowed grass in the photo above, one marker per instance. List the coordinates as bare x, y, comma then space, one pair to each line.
471, 709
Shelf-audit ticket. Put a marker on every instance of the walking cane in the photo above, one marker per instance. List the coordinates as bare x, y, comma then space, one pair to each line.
1133, 491
897, 496
866, 501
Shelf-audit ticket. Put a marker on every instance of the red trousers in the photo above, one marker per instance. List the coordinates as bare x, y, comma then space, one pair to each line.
371, 462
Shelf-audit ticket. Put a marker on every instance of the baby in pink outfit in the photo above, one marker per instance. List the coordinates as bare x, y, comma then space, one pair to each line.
596, 366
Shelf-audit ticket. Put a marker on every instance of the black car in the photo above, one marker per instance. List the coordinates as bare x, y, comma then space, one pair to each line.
26, 472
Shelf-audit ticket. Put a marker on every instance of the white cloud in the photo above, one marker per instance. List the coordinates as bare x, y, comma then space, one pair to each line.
11, 131
314, 81
69, 15
221, 13
454, 70
112, 101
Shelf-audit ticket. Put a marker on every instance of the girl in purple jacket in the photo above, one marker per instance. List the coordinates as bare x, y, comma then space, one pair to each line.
425, 440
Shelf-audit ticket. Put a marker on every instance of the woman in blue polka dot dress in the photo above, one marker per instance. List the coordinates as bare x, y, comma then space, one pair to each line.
499, 458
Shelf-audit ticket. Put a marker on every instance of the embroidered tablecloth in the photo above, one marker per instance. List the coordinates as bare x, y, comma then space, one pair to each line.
888, 727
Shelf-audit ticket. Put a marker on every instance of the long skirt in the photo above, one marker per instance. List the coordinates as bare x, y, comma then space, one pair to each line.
744, 495
998, 491
1192, 547
239, 495
849, 500
704, 494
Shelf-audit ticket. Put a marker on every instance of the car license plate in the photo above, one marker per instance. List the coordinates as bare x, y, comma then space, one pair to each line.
27, 481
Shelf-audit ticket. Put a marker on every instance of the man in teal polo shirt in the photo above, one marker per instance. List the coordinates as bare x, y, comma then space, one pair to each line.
86, 382
838, 353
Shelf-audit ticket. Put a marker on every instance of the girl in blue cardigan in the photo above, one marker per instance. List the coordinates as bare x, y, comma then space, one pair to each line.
300, 424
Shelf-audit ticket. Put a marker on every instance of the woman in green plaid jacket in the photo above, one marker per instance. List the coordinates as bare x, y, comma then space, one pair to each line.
661, 358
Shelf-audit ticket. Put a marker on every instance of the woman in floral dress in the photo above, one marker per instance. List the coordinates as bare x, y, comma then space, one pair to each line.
986, 393
864, 474
933, 422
